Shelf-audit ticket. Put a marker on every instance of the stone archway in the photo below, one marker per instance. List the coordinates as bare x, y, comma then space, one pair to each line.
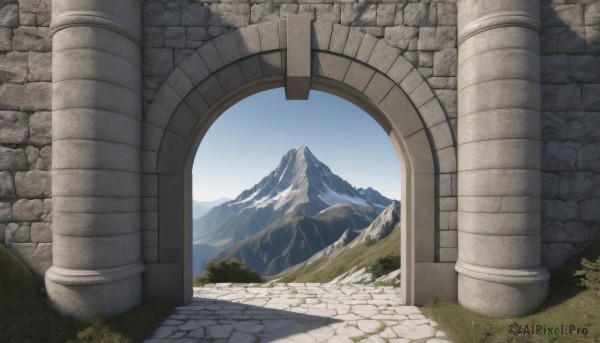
345, 62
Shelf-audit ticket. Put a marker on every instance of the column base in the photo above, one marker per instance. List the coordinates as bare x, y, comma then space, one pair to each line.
501, 292
83, 294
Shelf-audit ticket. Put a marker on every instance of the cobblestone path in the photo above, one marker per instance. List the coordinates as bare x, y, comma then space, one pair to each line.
297, 312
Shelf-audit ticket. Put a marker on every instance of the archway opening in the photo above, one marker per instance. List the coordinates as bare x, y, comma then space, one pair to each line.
299, 191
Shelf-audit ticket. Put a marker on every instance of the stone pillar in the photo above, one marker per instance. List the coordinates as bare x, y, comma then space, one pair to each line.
499, 246
96, 104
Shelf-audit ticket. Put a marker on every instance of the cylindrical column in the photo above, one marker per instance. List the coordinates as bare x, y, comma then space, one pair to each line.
499, 247
96, 104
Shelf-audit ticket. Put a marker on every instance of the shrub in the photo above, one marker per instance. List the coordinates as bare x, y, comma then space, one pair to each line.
384, 265
590, 275
230, 270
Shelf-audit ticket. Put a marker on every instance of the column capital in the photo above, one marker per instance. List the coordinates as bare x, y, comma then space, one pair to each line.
499, 19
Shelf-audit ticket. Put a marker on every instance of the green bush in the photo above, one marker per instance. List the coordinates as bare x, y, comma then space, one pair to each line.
230, 270
590, 275
384, 265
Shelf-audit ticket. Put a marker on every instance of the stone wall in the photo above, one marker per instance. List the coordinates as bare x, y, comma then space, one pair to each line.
25, 131
570, 64
425, 31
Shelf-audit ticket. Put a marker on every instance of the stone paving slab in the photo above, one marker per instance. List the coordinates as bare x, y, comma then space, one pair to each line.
297, 312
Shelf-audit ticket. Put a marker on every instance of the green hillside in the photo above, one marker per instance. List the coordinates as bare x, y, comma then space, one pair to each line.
326, 269
286, 244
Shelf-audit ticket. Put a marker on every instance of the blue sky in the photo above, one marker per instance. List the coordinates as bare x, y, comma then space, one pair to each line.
248, 141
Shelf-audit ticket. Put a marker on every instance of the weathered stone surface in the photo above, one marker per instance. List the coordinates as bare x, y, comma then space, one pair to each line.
35, 12
153, 37
402, 37
446, 14
592, 14
37, 257
416, 14
328, 13
196, 37
40, 66
41, 233
559, 156
582, 68
554, 233
445, 62
588, 158
14, 67
181, 55
562, 40
157, 13
6, 36
33, 184
35, 96
590, 98
563, 15
386, 14
12, 159
361, 14
157, 62
554, 68
550, 183
5, 213
28, 210
554, 255
9, 15
437, 38
578, 232
39, 159
592, 34
29, 38
7, 186
16, 233
264, 12
589, 210
40, 128
448, 100
229, 15
559, 210
194, 14
577, 187
175, 37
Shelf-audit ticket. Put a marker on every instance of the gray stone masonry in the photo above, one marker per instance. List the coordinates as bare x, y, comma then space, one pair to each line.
570, 77
25, 131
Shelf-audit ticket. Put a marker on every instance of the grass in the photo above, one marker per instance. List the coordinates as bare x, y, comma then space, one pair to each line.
567, 304
325, 269
25, 318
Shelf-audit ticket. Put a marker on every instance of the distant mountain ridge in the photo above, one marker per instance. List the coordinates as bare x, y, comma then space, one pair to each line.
200, 208
301, 185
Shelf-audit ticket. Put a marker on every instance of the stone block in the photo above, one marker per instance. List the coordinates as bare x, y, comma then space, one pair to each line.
592, 37
33, 184
12, 159
308, 9
555, 255
578, 232
358, 76
40, 66
386, 14
35, 12
590, 98
554, 232
5, 212
559, 156
271, 64
437, 38
321, 35
383, 56
338, 39
563, 40
41, 233
29, 38
6, 39
560, 210
264, 12
403, 37
28, 210
416, 14
564, 15
16, 233
583, 68
153, 37
360, 14
555, 68
9, 15
158, 13
157, 62
40, 128
14, 67
588, 157
328, 13
589, 210
592, 14
37, 257
35, 96
14, 127
445, 62
288, 8
378, 87
194, 14
175, 37
229, 15
196, 37
7, 186
448, 99
577, 186
446, 14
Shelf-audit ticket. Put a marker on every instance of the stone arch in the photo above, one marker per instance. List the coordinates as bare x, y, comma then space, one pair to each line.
345, 62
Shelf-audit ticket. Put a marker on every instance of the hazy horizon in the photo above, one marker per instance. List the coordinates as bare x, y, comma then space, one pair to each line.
248, 141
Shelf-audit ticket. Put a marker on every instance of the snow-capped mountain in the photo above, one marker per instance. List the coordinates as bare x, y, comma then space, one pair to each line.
300, 185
